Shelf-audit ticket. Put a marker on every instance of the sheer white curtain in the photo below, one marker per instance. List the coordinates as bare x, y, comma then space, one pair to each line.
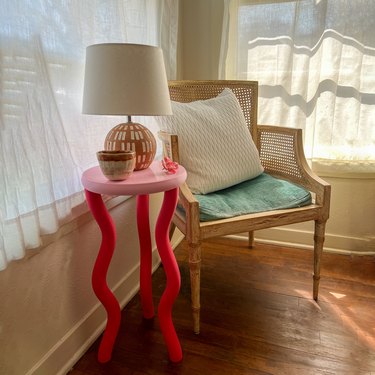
315, 63
45, 141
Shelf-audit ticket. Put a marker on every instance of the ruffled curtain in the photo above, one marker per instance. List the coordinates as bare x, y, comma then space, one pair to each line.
45, 141
315, 63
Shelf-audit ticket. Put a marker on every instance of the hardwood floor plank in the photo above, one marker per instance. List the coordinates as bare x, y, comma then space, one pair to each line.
257, 317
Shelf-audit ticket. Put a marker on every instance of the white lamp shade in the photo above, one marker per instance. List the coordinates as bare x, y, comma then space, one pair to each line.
125, 79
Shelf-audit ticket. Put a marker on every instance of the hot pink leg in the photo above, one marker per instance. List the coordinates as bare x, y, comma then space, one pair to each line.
143, 224
99, 274
172, 273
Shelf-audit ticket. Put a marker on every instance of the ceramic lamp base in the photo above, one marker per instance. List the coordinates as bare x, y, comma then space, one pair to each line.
132, 136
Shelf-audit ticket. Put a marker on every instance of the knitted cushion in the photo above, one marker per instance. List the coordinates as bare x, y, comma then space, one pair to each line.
264, 193
215, 145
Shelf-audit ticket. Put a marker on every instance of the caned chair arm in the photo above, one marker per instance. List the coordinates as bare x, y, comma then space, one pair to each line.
186, 197
281, 153
191, 207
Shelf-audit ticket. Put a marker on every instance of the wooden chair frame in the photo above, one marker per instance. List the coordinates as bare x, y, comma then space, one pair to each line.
281, 153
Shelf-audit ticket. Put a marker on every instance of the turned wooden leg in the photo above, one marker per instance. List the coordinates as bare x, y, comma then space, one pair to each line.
318, 250
172, 229
195, 281
251, 239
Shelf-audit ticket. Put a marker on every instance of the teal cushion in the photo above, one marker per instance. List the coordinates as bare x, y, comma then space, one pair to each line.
263, 193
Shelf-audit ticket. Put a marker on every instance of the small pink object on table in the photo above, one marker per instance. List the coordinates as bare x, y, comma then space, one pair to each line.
169, 166
140, 183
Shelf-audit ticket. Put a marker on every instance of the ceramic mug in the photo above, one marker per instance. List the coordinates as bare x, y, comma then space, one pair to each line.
116, 165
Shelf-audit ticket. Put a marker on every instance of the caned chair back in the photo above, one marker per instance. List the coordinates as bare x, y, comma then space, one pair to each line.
245, 91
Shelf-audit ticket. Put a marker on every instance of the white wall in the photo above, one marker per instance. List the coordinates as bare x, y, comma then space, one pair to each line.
200, 26
49, 314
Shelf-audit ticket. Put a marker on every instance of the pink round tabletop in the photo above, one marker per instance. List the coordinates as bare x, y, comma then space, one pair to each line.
147, 181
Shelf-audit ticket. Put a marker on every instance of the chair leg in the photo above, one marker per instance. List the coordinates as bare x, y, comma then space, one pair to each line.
318, 250
172, 229
251, 239
195, 281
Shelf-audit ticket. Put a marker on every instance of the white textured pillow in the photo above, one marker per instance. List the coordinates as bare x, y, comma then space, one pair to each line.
215, 145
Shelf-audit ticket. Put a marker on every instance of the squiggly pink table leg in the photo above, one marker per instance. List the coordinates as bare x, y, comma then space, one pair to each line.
99, 274
172, 273
143, 224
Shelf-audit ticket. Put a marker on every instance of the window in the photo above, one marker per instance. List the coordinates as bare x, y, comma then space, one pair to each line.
45, 141
315, 63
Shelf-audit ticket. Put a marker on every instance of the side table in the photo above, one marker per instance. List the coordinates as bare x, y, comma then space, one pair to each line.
141, 183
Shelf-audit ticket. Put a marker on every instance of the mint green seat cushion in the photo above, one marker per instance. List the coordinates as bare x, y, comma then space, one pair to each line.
263, 193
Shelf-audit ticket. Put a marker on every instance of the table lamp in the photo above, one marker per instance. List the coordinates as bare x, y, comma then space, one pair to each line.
125, 80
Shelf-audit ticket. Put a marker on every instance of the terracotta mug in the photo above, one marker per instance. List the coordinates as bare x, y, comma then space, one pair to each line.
116, 165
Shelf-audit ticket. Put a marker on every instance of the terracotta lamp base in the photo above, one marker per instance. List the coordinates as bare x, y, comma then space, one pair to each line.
132, 136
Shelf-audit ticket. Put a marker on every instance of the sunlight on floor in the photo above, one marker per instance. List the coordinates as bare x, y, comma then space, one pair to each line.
338, 295
363, 334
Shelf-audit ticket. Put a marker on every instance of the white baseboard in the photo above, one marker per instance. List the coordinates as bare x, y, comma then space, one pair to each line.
66, 352
291, 237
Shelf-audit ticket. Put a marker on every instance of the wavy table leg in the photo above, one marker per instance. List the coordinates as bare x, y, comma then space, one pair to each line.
143, 224
99, 274
172, 273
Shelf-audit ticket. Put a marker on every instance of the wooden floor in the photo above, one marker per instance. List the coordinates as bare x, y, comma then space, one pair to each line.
257, 317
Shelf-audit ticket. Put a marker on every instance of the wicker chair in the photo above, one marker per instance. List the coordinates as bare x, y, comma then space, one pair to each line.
281, 154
